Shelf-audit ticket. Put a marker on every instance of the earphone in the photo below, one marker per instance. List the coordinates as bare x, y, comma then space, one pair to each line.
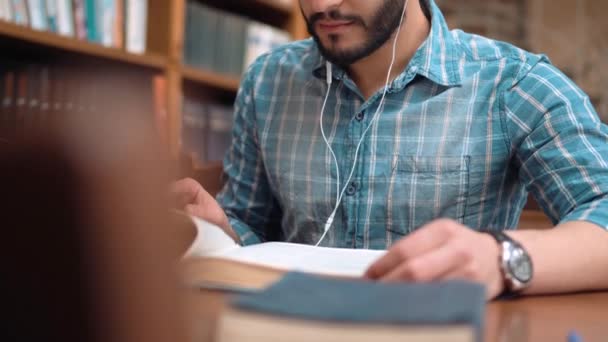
328, 80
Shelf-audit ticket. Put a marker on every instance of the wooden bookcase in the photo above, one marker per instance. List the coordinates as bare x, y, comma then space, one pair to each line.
163, 56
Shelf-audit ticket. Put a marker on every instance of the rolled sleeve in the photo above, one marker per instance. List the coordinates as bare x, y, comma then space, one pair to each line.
561, 146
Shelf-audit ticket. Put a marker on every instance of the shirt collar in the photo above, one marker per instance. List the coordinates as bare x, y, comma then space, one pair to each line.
436, 59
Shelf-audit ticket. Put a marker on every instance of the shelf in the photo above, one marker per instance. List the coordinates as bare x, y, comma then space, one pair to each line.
211, 79
273, 5
267, 11
53, 40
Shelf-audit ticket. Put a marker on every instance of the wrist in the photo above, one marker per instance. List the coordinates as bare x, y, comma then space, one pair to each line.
496, 282
514, 262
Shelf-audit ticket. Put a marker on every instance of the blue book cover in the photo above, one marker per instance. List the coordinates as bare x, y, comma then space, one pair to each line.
310, 297
91, 13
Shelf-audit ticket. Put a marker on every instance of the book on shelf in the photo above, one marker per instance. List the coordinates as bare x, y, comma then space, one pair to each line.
137, 21
66, 17
214, 260
79, 20
302, 307
6, 12
206, 130
33, 95
37, 14
225, 42
110, 23
19, 12
92, 9
51, 14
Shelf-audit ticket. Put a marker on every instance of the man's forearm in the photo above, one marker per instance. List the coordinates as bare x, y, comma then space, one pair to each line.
571, 257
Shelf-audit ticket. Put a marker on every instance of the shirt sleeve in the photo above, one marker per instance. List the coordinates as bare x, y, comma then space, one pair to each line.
246, 196
560, 145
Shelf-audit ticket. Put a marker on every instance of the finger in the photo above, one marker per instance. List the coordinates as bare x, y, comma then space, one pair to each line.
456, 274
430, 266
427, 238
198, 211
185, 191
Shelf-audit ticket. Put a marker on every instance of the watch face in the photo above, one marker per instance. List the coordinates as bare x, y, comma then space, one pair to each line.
521, 266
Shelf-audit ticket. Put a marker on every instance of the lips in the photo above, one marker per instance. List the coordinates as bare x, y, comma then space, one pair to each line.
333, 26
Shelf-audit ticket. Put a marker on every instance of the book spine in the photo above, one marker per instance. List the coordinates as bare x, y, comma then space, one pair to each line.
5, 100
57, 94
253, 43
45, 100
107, 14
21, 101
205, 24
6, 12
241, 37
137, 12
219, 134
194, 129
65, 18
33, 98
80, 19
90, 13
118, 28
37, 14
51, 15
8, 102
20, 16
220, 47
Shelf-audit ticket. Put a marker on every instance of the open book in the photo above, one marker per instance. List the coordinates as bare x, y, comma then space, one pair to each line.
215, 260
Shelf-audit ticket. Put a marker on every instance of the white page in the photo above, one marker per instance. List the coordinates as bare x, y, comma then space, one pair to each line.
212, 241
306, 258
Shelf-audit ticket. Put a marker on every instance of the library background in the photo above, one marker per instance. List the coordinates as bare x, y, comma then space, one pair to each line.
179, 61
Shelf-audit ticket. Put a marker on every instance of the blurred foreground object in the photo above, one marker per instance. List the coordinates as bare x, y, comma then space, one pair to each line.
87, 253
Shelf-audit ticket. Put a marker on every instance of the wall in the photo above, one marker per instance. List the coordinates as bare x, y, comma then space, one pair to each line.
573, 33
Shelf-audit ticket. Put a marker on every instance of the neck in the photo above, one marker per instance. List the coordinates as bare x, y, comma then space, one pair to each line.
370, 72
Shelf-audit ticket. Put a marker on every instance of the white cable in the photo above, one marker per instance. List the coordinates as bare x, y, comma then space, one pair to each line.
328, 78
330, 219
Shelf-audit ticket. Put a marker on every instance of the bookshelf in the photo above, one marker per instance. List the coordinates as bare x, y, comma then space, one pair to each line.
51, 41
163, 57
211, 79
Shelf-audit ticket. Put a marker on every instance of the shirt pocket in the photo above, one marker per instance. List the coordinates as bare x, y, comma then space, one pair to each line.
424, 188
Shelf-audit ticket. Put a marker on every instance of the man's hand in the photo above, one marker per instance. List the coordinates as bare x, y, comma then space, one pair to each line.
442, 250
190, 197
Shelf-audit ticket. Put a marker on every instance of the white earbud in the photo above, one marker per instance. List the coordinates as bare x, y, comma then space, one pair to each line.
340, 194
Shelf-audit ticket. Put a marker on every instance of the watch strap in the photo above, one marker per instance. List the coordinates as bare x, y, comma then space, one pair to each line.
499, 236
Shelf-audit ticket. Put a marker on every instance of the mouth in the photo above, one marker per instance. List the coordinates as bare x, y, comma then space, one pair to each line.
333, 26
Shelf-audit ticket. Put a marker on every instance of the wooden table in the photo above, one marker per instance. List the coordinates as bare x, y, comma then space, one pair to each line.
547, 318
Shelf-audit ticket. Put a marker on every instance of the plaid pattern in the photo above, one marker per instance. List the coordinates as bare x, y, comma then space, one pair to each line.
466, 131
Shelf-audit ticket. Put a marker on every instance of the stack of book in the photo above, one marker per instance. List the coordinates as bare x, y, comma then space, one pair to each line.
206, 130
112, 23
224, 42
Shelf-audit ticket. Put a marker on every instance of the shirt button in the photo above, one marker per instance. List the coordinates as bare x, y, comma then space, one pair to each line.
359, 116
351, 189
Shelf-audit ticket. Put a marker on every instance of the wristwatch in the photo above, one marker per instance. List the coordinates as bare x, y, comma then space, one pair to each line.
514, 261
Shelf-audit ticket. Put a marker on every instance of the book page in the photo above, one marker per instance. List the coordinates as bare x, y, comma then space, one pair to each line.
305, 258
210, 240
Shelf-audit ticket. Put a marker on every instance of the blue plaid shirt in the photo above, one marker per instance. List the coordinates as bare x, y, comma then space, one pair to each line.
467, 130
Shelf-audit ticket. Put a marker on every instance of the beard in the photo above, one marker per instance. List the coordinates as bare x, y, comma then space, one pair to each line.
378, 29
